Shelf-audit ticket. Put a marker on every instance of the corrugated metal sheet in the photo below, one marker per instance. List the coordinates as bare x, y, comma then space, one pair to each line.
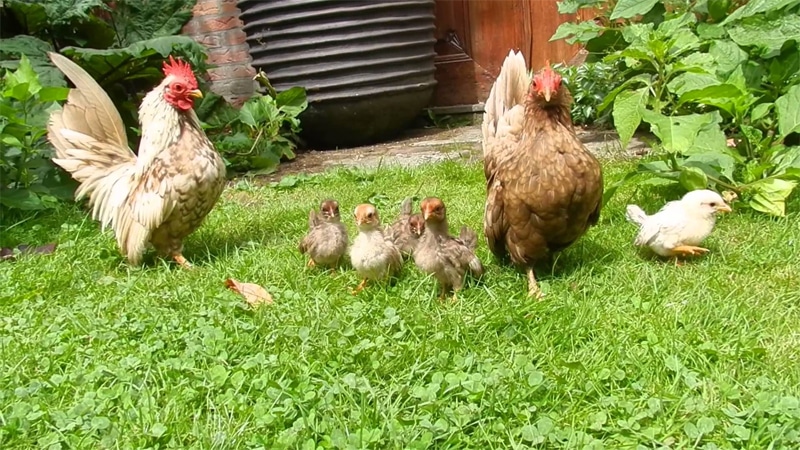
356, 59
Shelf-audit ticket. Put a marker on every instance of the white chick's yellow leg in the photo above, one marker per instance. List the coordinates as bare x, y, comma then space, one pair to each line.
686, 250
360, 287
182, 261
533, 286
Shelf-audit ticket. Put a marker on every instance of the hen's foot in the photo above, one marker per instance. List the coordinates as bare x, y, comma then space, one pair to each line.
311, 263
182, 261
689, 250
360, 287
533, 286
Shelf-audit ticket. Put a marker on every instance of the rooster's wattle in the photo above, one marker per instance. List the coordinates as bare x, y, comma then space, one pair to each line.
158, 197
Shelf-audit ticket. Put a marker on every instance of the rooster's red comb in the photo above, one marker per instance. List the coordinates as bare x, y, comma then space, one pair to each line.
180, 69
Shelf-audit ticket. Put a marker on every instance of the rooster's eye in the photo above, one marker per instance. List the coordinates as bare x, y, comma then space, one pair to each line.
178, 88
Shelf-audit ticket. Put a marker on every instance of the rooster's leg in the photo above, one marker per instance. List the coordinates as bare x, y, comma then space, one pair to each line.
533, 286
360, 287
687, 250
182, 261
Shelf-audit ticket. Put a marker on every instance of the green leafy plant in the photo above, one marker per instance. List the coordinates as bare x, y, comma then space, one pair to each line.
589, 85
122, 44
28, 180
261, 133
718, 84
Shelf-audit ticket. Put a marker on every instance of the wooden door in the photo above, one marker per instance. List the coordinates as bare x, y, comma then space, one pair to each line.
474, 37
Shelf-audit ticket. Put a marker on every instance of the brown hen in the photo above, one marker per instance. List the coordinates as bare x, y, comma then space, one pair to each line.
544, 189
158, 197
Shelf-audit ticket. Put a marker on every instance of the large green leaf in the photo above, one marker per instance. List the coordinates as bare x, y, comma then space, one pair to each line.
769, 195
137, 20
693, 178
728, 55
753, 7
722, 96
788, 110
12, 49
626, 9
691, 81
626, 113
577, 32
686, 134
766, 34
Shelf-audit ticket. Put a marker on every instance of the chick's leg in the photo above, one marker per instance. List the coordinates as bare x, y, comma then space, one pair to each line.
311, 263
182, 261
360, 287
533, 286
686, 250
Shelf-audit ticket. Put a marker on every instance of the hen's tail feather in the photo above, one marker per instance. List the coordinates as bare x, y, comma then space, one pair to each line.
509, 90
635, 214
90, 143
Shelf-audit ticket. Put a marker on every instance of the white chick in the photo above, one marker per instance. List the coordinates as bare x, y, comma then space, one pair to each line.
680, 226
373, 254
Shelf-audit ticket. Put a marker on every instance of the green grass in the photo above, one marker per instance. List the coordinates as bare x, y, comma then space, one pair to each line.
625, 350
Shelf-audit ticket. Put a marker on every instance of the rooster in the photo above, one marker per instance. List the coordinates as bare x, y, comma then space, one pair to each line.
544, 189
165, 193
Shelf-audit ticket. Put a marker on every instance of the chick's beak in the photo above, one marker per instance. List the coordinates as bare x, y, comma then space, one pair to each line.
195, 93
723, 208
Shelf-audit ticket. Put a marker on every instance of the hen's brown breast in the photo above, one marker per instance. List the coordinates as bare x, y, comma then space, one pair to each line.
551, 189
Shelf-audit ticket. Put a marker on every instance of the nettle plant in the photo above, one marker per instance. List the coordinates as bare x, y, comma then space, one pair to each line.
716, 81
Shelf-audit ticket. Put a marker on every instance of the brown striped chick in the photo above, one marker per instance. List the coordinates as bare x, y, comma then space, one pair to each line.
407, 229
326, 240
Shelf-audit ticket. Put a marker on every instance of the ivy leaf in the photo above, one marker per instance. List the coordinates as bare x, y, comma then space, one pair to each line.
626, 113
626, 9
770, 195
788, 109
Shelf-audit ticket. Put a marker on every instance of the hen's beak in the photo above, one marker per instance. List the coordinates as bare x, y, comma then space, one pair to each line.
195, 93
547, 93
723, 208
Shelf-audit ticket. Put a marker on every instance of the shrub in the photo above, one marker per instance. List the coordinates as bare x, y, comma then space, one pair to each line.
694, 72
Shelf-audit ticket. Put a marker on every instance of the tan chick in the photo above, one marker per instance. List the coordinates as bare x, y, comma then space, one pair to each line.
407, 229
444, 256
373, 254
326, 240
680, 226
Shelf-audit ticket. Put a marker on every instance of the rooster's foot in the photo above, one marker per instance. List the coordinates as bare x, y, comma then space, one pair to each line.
689, 250
182, 261
533, 286
360, 287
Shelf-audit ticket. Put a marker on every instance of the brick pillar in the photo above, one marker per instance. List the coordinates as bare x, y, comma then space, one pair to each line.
217, 26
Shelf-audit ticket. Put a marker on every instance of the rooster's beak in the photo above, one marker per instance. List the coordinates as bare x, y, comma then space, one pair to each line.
195, 93
723, 208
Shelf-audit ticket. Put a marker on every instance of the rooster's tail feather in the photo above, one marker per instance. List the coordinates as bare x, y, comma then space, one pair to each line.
90, 143
635, 215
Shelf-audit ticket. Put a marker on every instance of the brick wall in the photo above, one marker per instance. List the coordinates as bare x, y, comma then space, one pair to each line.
216, 25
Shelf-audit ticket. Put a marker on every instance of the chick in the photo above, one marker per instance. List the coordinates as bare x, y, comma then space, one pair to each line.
326, 240
680, 226
446, 257
373, 254
407, 229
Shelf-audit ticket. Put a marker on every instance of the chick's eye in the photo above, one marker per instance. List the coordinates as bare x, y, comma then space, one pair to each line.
713, 204
370, 215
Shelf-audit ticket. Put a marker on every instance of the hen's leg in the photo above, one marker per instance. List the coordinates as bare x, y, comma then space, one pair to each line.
533, 286
686, 250
182, 261
360, 287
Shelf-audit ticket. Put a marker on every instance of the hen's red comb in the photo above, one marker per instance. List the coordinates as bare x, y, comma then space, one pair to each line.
179, 69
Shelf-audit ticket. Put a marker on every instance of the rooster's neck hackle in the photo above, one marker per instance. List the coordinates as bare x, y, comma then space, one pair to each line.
162, 125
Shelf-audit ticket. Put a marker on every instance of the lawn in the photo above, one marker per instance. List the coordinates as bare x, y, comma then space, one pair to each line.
624, 350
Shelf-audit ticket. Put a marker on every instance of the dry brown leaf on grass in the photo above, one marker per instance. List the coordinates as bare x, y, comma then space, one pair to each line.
254, 294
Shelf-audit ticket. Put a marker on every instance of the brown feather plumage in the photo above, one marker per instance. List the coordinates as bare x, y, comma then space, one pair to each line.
544, 189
